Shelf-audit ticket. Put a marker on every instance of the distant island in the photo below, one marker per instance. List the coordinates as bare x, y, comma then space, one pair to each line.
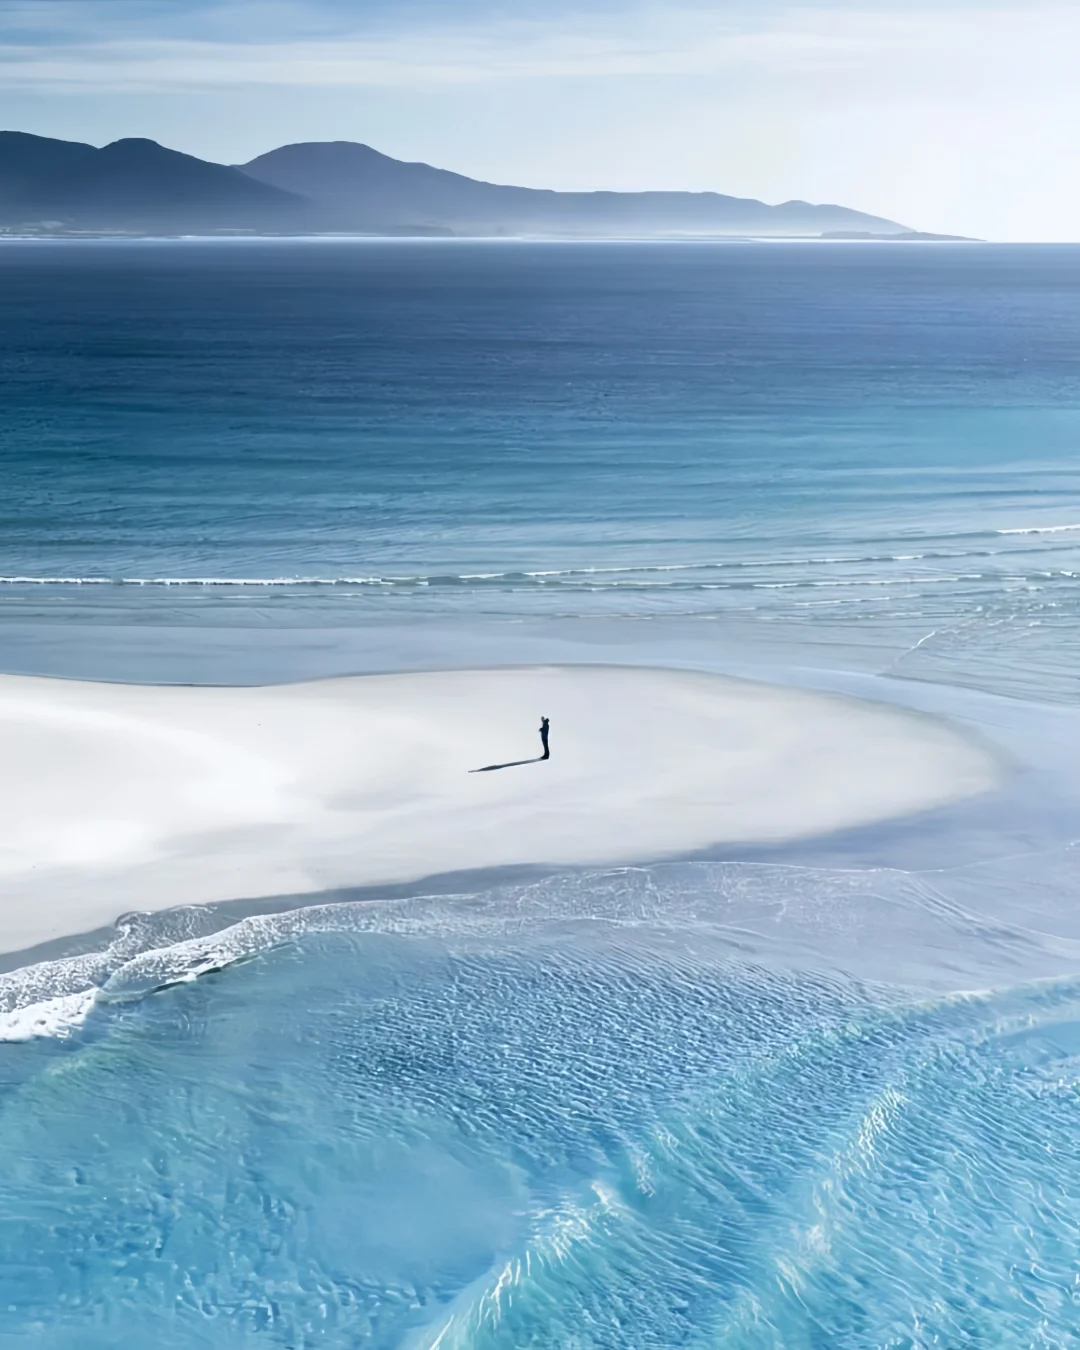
138, 187
903, 236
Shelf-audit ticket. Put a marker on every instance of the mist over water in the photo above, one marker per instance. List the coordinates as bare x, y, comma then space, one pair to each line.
821, 1097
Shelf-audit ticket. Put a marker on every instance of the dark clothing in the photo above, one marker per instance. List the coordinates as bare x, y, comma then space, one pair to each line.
544, 724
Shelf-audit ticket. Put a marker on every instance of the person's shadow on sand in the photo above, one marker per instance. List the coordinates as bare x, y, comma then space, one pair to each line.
514, 763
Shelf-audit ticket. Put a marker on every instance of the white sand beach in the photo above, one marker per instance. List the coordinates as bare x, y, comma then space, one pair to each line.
125, 797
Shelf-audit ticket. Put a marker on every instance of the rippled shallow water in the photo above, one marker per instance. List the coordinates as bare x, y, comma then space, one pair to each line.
593, 1111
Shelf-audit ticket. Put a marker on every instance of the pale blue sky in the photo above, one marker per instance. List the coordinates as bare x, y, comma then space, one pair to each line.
960, 115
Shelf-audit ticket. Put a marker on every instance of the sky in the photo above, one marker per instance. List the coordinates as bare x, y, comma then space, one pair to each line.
960, 116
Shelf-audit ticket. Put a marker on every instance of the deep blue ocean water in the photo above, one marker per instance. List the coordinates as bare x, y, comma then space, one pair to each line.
826, 1098
837, 441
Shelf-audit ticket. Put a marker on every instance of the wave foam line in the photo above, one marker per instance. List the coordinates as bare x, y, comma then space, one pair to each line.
541, 576
537, 578
203, 581
1039, 529
56, 1017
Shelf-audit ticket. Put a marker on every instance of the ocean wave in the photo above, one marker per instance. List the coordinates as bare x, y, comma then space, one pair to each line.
52, 1017
586, 579
725, 902
1039, 529
200, 581
856, 557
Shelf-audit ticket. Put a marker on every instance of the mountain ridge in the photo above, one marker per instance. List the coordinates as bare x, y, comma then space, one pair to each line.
362, 183
136, 186
129, 185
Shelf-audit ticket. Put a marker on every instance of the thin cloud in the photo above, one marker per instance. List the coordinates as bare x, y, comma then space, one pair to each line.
652, 44
883, 49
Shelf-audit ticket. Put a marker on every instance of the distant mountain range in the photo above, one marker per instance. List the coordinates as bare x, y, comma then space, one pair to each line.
132, 186
136, 186
355, 184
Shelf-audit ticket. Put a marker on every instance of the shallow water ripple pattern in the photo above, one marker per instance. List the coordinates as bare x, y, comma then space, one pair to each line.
539, 1131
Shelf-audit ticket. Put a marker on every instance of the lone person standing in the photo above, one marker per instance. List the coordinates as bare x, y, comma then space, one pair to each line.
544, 724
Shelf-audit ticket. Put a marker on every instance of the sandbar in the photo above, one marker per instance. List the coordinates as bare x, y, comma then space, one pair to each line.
120, 797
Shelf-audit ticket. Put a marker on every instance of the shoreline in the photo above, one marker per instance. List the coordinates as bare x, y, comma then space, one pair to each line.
144, 797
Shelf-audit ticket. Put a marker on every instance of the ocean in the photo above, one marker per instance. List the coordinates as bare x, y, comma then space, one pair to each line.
818, 1095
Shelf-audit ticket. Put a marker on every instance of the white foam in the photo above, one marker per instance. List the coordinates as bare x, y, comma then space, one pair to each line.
542, 577
1039, 529
199, 581
51, 1017
921, 929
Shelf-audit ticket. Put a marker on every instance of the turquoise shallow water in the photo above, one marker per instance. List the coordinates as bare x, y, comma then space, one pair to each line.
568, 1114
825, 1097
